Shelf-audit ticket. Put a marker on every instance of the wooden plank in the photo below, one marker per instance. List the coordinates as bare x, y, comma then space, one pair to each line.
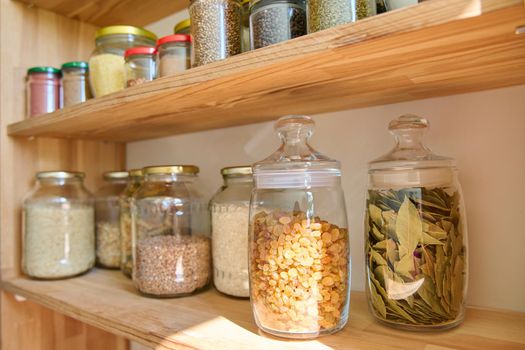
110, 12
436, 48
210, 320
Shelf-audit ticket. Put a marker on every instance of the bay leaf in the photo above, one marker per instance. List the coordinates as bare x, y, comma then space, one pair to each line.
434, 230
409, 228
377, 301
375, 214
429, 240
378, 235
380, 245
379, 260
392, 304
405, 266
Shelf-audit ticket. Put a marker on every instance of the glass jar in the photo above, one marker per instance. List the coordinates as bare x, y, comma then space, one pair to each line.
126, 252
215, 29
107, 213
245, 24
75, 83
59, 227
299, 246
366, 8
397, 4
171, 244
174, 54
324, 14
274, 21
183, 27
415, 234
106, 64
229, 221
140, 65
43, 90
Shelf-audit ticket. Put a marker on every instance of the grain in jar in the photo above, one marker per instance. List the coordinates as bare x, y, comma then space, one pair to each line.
75, 83
141, 65
174, 54
42, 90
324, 14
126, 252
245, 24
366, 8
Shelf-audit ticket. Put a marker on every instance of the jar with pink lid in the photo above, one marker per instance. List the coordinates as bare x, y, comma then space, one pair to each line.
43, 90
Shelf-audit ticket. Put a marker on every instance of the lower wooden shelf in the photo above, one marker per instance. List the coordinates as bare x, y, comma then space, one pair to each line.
210, 320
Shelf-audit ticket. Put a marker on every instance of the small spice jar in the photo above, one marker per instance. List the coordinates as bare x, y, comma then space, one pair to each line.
58, 224
216, 30
171, 244
126, 252
245, 23
140, 65
299, 255
415, 234
174, 52
183, 27
75, 83
230, 209
43, 90
107, 206
106, 64
324, 14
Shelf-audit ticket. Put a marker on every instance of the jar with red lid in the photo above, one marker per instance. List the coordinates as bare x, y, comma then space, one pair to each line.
140, 65
174, 54
43, 90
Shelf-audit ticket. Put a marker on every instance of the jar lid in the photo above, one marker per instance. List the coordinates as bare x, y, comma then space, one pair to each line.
295, 164
182, 25
409, 151
237, 170
135, 172
60, 175
171, 169
121, 29
76, 64
140, 50
46, 69
174, 38
114, 175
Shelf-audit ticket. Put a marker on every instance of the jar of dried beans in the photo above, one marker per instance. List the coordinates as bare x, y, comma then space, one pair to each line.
171, 244
75, 85
229, 220
42, 90
126, 253
415, 234
174, 52
107, 213
58, 226
299, 247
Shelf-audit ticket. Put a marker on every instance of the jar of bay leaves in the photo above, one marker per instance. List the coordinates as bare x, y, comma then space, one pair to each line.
416, 234
126, 253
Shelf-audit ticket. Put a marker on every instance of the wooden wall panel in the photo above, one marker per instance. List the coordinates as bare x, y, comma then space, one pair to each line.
31, 37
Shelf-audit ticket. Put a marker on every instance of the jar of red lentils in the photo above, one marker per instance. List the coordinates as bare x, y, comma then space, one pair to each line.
42, 90
299, 248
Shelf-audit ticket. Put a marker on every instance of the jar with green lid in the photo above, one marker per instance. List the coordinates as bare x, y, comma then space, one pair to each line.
274, 21
42, 90
215, 29
107, 213
183, 27
171, 234
324, 14
75, 83
126, 253
245, 22
230, 209
107, 72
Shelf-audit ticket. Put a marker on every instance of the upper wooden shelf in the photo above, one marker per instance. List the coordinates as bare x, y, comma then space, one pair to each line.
209, 320
436, 48
110, 12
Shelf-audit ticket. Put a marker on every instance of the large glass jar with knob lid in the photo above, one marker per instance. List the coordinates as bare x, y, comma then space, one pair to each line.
58, 226
416, 234
299, 248
229, 219
126, 253
171, 244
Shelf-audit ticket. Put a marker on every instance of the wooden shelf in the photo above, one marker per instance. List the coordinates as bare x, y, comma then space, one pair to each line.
110, 12
436, 48
209, 320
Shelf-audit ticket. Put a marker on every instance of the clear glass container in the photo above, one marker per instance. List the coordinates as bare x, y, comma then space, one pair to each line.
299, 244
274, 21
397, 4
126, 251
58, 227
174, 53
323, 14
366, 8
183, 27
415, 234
230, 209
106, 64
141, 65
215, 29
171, 234
245, 24
75, 83
107, 214
42, 90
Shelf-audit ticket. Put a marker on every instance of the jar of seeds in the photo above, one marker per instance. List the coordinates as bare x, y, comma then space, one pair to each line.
107, 213
367, 8
274, 21
229, 219
58, 227
171, 244
324, 14
215, 29
126, 253
245, 22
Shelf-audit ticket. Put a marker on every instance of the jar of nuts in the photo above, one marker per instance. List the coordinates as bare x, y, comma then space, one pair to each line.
171, 244
299, 257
